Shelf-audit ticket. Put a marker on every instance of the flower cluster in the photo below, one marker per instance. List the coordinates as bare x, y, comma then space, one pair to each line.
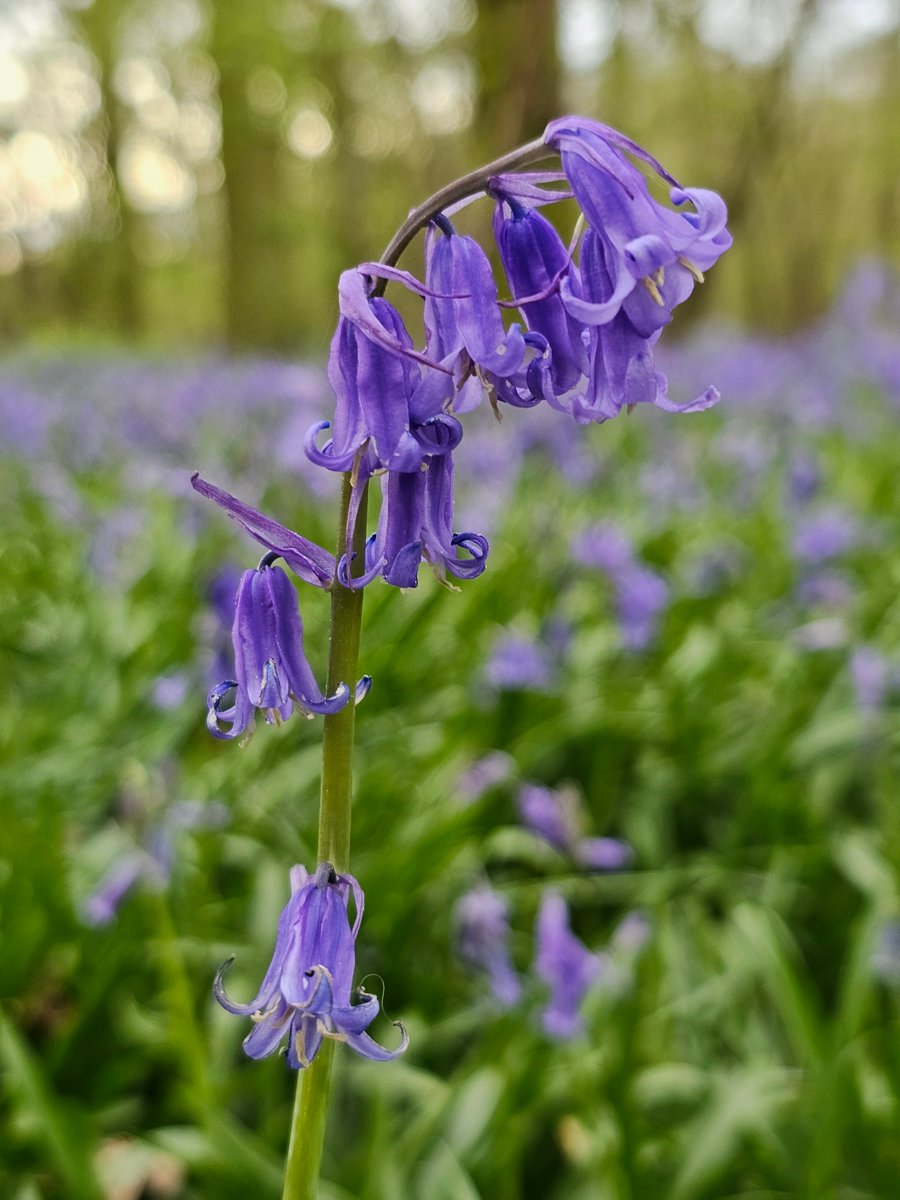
305, 995
590, 315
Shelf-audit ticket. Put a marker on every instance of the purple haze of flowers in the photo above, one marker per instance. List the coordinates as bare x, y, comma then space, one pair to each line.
271, 669
306, 993
565, 965
483, 940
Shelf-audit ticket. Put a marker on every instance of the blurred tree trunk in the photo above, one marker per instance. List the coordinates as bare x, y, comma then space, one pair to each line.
260, 309
99, 26
514, 47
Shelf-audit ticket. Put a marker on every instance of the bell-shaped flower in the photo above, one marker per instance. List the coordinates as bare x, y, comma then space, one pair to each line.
535, 261
655, 253
483, 940
622, 369
565, 965
463, 322
271, 671
415, 523
372, 384
306, 993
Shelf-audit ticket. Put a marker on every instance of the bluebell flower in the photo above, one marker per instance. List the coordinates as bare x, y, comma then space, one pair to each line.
622, 370
825, 534
463, 321
643, 596
483, 939
306, 993
484, 773
535, 261
519, 663
874, 677
641, 593
151, 859
271, 671
415, 525
557, 815
565, 965
652, 254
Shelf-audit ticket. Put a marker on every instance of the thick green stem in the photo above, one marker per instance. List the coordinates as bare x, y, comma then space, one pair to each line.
301, 1181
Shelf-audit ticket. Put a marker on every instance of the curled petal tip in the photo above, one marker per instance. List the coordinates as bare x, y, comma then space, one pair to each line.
363, 687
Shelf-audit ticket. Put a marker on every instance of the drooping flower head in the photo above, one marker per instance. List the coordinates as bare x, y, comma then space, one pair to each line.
271, 671
652, 254
565, 965
483, 938
306, 993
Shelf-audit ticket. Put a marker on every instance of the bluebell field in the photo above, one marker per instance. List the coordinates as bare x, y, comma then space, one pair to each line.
627, 810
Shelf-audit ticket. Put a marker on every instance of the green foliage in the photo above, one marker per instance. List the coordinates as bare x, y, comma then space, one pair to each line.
748, 1050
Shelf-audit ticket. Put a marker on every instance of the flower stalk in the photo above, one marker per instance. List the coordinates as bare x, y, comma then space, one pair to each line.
301, 1180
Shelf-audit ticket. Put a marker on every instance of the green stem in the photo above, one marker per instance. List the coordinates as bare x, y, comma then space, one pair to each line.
314, 1083
301, 1181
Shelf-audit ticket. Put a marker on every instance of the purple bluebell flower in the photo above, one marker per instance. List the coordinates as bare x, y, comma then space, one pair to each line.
557, 815
519, 663
103, 903
804, 477
643, 595
151, 861
307, 560
484, 773
373, 381
622, 370
306, 993
467, 329
415, 524
602, 853
873, 677
271, 670
553, 815
825, 534
652, 254
565, 965
603, 547
535, 261
483, 939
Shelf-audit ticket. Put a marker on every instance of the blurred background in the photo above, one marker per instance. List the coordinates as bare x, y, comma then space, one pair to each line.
188, 173
672, 701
